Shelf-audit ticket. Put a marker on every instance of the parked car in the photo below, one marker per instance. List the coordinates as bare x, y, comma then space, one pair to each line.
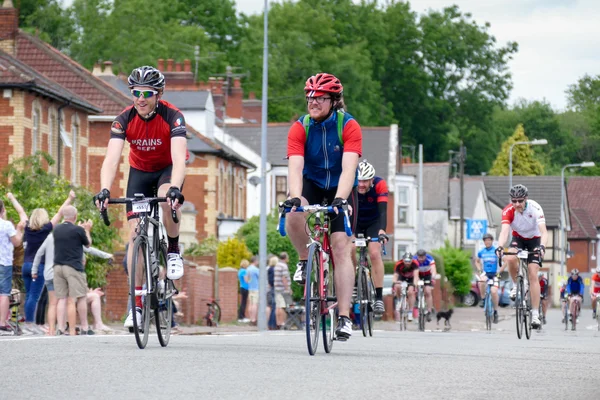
387, 284
474, 297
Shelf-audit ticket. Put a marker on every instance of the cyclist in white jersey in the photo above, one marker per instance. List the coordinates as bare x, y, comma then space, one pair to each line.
526, 219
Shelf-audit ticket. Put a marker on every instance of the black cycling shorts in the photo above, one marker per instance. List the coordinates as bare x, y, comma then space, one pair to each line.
316, 195
518, 242
369, 229
146, 183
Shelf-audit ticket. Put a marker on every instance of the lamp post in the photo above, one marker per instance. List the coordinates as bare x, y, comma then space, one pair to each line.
532, 142
563, 241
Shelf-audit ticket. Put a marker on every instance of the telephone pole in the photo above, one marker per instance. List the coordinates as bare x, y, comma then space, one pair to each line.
462, 155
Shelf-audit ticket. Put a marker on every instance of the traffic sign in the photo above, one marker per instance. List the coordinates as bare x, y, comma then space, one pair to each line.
476, 228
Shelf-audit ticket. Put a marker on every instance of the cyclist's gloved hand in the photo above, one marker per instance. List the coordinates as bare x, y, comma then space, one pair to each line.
500, 251
383, 238
101, 198
542, 250
293, 202
339, 203
175, 194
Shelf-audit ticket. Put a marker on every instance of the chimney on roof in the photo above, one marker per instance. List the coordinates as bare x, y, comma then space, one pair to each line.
108, 68
177, 67
97, 70
9, 26
187, 65
169, 65
251, 96
161, 64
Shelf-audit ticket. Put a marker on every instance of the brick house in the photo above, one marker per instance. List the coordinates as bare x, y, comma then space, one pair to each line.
43, 89
584, 201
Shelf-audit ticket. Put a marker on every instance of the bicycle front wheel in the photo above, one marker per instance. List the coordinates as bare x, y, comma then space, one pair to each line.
489, 312
363, 299
370, 304
421, 310
403, 313
528, 313
312, 300
139, 272
519, 307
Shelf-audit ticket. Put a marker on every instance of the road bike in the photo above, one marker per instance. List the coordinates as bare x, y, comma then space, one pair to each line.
523, 308
421, 302
365, 293
488, 306
148, 265
213, 313
402, 305
320, 300
575, 307
565, 301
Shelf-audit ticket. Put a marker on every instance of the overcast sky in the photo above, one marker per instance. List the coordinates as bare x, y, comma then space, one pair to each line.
559, 40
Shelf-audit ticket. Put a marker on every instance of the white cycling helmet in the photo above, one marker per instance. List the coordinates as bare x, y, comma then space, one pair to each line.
365, 171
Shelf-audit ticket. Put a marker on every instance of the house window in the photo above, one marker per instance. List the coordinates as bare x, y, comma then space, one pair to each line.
230, 183
51, 135
402, 215
35, 132
240, 194
593, 256
403, 195
280, 189
401, 250
74, 135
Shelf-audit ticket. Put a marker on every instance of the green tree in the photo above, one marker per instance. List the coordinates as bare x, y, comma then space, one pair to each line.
35, 187
583, 99
457, 267
523, 157
48, 20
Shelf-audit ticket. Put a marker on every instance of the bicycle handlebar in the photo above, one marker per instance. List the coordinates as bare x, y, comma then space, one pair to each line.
312, 209
127, 200
375, 240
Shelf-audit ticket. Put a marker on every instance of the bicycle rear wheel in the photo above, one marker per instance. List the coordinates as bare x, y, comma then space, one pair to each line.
421, 310
519, 307
312, 301
139, 268
163, 314
566, 315
528, 314
329, 320
370, 303
363, 299
403, 313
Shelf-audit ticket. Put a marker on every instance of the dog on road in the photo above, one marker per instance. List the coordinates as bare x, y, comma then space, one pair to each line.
446, 315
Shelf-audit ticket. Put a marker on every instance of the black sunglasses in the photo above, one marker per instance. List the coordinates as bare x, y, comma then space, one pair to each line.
515, 201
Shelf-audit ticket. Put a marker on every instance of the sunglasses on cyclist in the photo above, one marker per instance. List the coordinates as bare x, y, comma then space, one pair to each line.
145, 93
515, 201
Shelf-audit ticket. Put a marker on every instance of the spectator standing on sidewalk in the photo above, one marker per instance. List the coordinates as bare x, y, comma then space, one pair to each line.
69, 275
273, 260
243, 290
38, 227
9, 238
252, 274
282, 287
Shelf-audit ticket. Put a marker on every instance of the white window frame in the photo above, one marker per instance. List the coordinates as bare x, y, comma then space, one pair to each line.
36, 115
75, 127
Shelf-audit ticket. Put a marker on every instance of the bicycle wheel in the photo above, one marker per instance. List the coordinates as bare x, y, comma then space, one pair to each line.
328, 320
598, 312
163, 314
489, 311
363, 300
139, 268
519, 307
312, 303
528, 314
566, 315
574, 315
370, 304
403, 313
421, 310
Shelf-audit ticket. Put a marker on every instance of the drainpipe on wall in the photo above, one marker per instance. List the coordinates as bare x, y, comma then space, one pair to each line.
58, 157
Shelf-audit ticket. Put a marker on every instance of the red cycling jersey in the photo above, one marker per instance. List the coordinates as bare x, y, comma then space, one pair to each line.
150, 139
595, 287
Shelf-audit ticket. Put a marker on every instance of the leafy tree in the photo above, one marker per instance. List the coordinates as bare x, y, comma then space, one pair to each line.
35, 187
232, 252
523, 157
584, 99
206, 247
47, 19
457, 267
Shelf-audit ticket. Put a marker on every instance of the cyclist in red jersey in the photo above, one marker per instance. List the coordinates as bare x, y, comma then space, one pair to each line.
323, 167
404, 271
526, 218
595, 290
156, 132
543, 295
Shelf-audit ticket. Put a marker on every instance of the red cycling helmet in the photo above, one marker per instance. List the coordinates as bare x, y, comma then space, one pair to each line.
322, 83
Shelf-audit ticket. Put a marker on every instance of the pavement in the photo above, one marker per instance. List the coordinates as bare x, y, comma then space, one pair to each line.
234, 362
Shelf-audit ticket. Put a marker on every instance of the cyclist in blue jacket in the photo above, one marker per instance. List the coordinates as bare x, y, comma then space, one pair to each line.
575, 288
487, 268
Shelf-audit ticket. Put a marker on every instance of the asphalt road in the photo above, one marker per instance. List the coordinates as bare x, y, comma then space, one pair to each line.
432, 365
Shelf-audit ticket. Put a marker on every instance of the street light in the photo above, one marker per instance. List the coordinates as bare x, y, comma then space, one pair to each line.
563, 241
533, 143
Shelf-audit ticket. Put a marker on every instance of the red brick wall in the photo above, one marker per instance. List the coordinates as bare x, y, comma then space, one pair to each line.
83, 166
9, 23
27, 141
5, 148
252, 112
581, 259
228, 293
66, 162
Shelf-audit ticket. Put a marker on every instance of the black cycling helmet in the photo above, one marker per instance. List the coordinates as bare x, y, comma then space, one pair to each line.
421, 253
146, 76
518, 192
488, 236
407, 257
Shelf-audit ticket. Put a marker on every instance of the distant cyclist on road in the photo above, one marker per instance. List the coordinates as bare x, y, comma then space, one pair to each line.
427, 272
543, 295
487, 268
595, 290
574, 289
372, 221
404, 271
